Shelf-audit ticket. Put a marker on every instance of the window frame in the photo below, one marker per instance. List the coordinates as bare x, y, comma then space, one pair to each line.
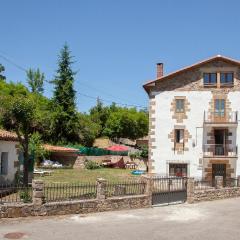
183, 167
183, 105
209, 82
4, 170
222, 84
176, 136
219, 107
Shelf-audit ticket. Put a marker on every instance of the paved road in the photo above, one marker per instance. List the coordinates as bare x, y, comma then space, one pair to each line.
209, 220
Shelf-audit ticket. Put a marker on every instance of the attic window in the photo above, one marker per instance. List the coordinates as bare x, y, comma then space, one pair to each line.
210, 79
226, 78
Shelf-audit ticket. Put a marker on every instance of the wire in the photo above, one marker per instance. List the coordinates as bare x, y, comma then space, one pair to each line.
109, 101
85, 95
101, 91
12, 62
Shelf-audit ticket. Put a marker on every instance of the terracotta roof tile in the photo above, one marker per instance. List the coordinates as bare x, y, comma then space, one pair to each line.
52, 148
8, 136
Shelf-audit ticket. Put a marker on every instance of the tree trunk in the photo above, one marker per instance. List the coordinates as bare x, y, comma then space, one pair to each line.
26, 162
25, 168
145, 160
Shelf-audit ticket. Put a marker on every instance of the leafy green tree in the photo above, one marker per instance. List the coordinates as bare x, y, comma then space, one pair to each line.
35, 80
99, 114
36, 148
2, 69
19, 116
126, 123
88, 129
65, 115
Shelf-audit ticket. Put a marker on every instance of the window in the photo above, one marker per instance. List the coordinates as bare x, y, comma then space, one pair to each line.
179, 135
210, 78
178, 170
226, 78
4, 163
180, 105
219, 108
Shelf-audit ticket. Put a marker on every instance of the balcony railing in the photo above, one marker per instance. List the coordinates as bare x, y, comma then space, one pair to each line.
219, 150
220, 117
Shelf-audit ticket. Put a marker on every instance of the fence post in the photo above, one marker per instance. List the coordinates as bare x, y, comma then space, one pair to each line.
38, 196
238, 181
219, 181
190, 190
149, 186
101, 188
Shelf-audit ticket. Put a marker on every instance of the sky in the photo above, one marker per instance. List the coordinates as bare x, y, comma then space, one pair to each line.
115, 44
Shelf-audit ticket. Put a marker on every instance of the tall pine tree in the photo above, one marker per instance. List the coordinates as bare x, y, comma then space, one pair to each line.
2, 69
65, 115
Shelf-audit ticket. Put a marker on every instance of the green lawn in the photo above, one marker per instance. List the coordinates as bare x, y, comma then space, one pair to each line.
86, 176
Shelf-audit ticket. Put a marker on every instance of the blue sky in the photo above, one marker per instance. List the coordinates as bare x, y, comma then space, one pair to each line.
116, 44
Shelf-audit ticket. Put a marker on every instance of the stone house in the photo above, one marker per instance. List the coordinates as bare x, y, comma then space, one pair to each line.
194, 120
9, 162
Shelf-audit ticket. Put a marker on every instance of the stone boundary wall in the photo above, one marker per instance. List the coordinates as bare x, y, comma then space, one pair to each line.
74, 207
215, 194
100, 204
219, 192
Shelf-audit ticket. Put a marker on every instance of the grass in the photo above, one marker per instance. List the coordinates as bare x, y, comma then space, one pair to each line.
87, 176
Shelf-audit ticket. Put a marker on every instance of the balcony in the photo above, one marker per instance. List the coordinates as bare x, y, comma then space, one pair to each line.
221, 118
219, 150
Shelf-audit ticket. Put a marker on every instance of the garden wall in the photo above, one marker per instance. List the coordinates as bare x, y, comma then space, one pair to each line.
209, 193
102, 200
74, 207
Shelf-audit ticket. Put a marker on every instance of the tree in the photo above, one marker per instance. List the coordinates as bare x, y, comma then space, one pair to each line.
99, 114
19, 115
2, 69
65, 117
126, 123
35, 80
88, 129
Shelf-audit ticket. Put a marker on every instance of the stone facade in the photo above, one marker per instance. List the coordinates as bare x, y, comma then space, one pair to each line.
179, 148
191, 80
151, 142
208, 170
180, 116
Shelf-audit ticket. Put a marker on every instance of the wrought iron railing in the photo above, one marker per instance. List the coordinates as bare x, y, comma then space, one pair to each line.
127, 188
210, 150
220, 117
14, 193
212, 184
54, 192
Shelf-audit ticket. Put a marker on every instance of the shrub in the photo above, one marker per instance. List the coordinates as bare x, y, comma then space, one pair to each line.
25, 196
92, 165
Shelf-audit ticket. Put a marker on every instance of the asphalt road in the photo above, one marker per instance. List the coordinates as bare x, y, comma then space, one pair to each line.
209, 220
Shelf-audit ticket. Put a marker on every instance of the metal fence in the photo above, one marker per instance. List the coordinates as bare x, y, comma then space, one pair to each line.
211, 184
54, 192
127, 188
204, 184
12, 193
165, 184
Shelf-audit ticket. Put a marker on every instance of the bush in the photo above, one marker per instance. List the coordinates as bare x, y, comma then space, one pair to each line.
25, 196
92, 165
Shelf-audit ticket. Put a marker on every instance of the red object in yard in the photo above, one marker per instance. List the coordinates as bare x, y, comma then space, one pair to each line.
119, 164
117, 148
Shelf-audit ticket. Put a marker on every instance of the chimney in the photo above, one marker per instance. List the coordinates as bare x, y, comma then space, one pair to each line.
159, 70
